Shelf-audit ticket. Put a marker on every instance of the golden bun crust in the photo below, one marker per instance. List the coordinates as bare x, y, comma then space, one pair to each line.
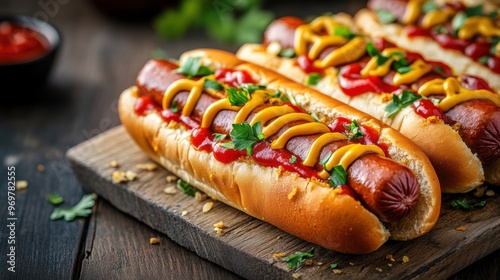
367, 21
340, 222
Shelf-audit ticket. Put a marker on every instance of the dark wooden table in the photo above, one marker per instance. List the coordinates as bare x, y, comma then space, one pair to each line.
99, 58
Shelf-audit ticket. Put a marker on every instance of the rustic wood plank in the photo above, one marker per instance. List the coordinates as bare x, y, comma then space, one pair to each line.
246, 246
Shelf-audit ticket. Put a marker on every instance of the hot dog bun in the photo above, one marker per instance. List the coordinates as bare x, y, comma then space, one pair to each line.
316, 213
368, 22
458, 168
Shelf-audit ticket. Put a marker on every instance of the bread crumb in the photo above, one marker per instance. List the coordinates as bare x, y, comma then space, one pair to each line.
432, 119
184, 213
154, 241
456, 126
279, 171
308, 262
21, 185
207, 206
150, 166
293, 193
219, 226
337, 271
279, 255
170, 190
114, 164
40, 168
389, 264
200, 196
461, 228
378, 269
405, 259
319, 263
390, 257
490, 193
351, 263
131, 175
385, 97
480, 191
171, 178
296, 275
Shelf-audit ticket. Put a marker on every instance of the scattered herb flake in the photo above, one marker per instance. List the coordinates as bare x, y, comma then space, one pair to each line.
429, 6
55, 198
334, 265
219, 136
483, 59
384, 16
299, 258
237, 97
186, 188
211, 84
174, 107
313, 79
293, 159
343, 31
398, 103
251, 88
462, 203
338, 176
244, 136
81, 209
288, 53
192, 68
354, 130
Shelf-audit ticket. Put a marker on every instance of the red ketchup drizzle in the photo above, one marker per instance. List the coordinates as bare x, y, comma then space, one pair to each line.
19, 43
473, 83
352, 83
264, 155
143, 105
426, 108
307, 65
233, 77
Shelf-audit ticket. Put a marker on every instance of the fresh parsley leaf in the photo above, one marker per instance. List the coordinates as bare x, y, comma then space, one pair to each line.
228, 145
315, 117
219, 136
276, 94
81, 209
245, 136
372, 50
251, 88
438, 69
398, 103
55, 198
384, 16
354, 130
313, 79
186, 188
493, 15
293, 159
338, 176
483, 59
174, 107
192, 68
458, 21
237, 97
404, 69
288, 53
462, 203
211, 84
299, 258
474, 10
334, 265
344, 32
429, 6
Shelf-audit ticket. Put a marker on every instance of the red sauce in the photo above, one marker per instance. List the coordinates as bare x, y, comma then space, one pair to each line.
307, 65
352, 83
233, 77
19, 43
264, 155
202, 139
473, 83
226, 155
143, 105
426, 108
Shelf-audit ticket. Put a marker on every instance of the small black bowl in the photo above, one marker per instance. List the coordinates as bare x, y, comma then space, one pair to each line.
29, 75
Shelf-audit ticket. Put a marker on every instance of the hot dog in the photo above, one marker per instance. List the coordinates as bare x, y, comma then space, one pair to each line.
449, 31
421, 98
289, 175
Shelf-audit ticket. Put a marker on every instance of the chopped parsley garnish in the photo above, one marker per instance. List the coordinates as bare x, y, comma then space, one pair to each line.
404, 69
324, 160
483, 59
237, 97
219, 136
313, 79
251, 88
354, 130
438, 69
398, 103
334, 265
186, 188
192, 68
460, 18
55, 198
293, 159
244, 136
299, 258
384, 16
338, 176
381, 59
315, 117
429, 6
81, 209
211, 84
344, 32
288, 53
462, 203
174, 107
474, 10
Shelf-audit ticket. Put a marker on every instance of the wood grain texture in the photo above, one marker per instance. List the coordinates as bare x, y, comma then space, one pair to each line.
247, 245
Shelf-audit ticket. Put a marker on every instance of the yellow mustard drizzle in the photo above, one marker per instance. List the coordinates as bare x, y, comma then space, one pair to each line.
437, 17
412, 11
277, 116
478, 25
373, 69
419, 69
346, 155
455, 92
309, 34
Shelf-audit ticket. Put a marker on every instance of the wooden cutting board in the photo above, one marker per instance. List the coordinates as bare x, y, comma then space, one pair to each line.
246, 245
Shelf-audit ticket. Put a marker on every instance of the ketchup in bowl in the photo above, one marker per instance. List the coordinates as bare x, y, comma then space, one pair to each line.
21, 43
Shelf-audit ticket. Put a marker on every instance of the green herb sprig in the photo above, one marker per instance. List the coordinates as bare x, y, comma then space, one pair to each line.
81, 209
299, 258
398, 103
462, 203
192, 68
186, 188
244, 136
